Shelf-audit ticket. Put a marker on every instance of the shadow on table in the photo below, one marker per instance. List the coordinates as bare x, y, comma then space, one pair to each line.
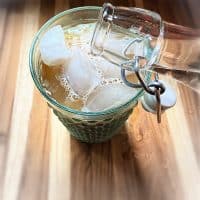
135, 164
100, 171
105, 171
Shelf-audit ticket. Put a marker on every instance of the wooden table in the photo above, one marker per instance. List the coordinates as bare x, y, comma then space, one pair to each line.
39, 159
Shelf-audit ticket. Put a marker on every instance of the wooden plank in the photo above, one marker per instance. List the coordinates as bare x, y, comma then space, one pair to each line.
21, 108
40, 160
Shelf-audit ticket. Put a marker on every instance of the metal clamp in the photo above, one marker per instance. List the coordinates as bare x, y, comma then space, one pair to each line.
156, 84
153, 88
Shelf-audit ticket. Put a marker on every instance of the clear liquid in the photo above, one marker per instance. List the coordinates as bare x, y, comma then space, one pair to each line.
54, 80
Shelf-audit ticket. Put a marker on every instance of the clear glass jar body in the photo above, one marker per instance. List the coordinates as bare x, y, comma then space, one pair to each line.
167, 48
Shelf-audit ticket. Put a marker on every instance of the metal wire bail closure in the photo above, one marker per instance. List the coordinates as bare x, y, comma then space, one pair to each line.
156, 84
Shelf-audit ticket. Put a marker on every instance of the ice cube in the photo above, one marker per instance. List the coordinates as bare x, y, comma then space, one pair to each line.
117, 45
108, 69
53, 48
127, 47
81, 73
108, 96
80, 34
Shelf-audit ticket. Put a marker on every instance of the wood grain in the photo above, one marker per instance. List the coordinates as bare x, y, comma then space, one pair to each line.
39, 160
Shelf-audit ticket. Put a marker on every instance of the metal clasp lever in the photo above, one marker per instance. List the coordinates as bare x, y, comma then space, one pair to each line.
155, 88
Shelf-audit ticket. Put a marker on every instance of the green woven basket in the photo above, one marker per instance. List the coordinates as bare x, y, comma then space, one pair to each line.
94, 131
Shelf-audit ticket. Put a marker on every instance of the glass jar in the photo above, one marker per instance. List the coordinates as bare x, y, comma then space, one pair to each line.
91, 127
158, 44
